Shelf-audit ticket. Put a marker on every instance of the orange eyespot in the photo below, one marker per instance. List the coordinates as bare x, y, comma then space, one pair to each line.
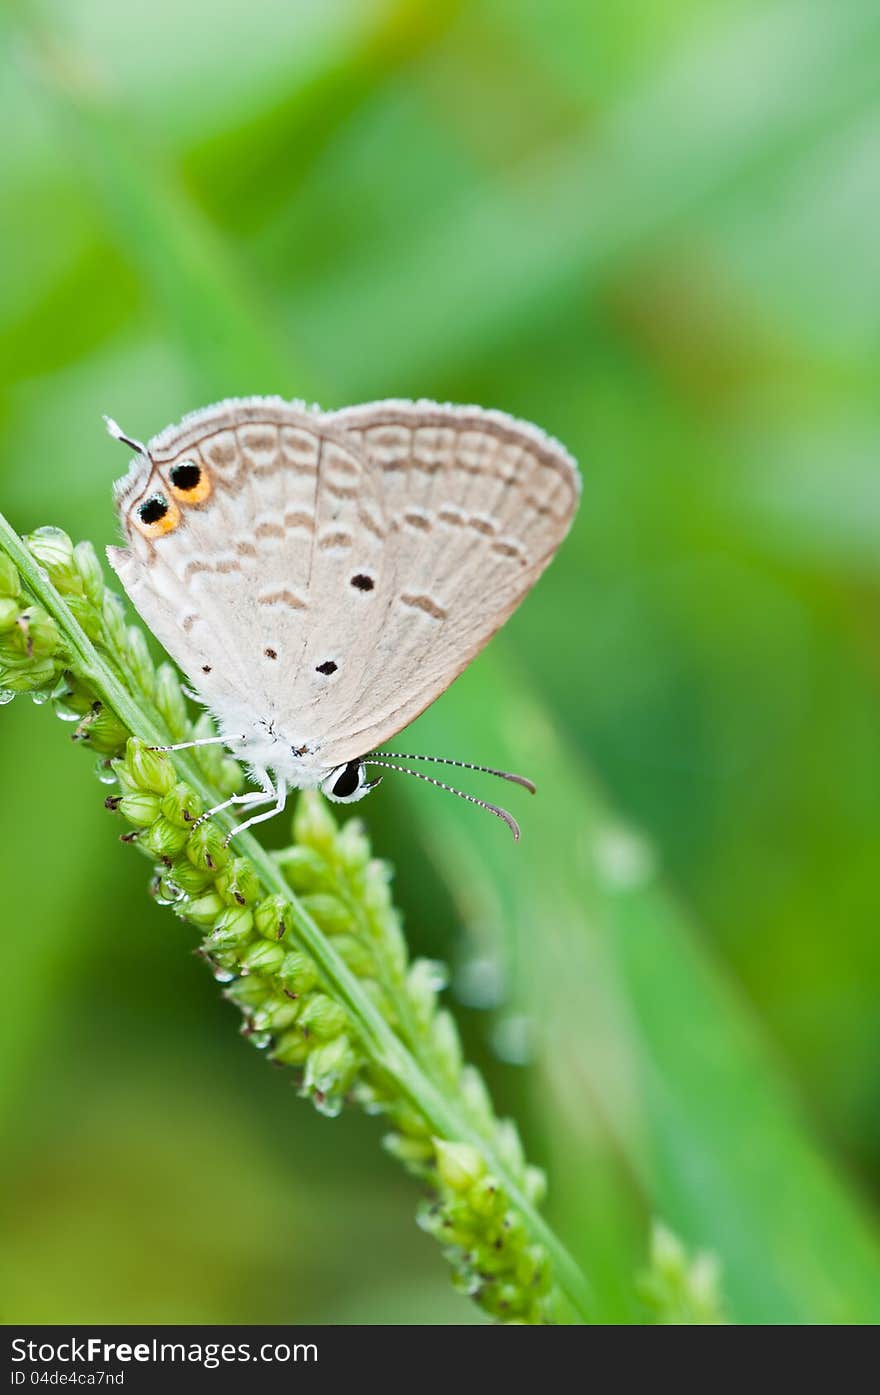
190, 482
155, 515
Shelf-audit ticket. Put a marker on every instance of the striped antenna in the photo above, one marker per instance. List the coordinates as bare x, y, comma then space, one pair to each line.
450, 789
462, 765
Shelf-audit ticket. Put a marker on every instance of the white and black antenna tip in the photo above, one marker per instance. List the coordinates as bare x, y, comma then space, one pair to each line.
116, 431
495, 809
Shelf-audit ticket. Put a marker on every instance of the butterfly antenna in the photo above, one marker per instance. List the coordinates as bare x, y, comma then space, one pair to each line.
118, 434
464, 765
450, 789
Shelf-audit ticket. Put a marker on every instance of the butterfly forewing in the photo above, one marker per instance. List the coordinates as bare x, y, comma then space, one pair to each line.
333, 573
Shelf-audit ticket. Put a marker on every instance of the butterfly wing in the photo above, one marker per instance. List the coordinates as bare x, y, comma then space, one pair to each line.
334, 573
475, 504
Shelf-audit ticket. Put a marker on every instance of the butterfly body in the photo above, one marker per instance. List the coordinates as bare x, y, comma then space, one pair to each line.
321, 577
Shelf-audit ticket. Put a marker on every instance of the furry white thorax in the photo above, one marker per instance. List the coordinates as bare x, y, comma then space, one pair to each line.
263, 747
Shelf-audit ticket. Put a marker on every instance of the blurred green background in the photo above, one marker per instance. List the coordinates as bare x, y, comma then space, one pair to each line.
652, 228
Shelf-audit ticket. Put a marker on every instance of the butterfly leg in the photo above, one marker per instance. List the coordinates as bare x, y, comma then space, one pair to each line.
280, 797
251, 797
188, 745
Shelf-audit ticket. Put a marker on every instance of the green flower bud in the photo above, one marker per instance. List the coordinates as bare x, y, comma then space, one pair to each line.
353, 847
322, 1017
331, 914
313, 824
275, 1014
411, 1122
394, 947
292, 1048
164, 839
89, 568
510, 1148
102, 729
330, 1070
139, 808
304, 869
485, 1197
206, 849
169, 700
233, 924
370, 1095
148, 769
475, 1097
409, 1151
201, 910
447, 1044
10, 582
429, 1214
459, 1225
182, 806
224, 957
72, 701
425, 979
9, 612
113, 622
377, 889
273, 917
31, 677
249, 992
35, 635
90, 618
466, 1281
298, 972
487, 1260
140, 665
13, 653
532, 1269
263, 957
507, 1299
238, 883
53, 550
356, 954
193, 880
459, 1164
165, 890
535, 1184
230, 778
381, 1000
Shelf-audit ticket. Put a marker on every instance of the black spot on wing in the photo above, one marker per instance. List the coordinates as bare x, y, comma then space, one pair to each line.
186, 476
153, 509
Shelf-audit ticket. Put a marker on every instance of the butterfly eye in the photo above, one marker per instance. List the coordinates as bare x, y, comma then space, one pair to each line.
155, 516
347, 783
190, 482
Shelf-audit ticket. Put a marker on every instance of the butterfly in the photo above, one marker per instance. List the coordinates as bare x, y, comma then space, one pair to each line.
321, 577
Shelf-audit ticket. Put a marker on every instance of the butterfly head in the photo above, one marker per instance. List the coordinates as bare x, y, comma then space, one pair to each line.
348, 783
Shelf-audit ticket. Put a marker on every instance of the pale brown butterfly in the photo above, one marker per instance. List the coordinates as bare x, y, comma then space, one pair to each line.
322, 577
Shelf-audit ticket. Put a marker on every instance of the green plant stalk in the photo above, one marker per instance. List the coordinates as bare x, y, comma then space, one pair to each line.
380, 1043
